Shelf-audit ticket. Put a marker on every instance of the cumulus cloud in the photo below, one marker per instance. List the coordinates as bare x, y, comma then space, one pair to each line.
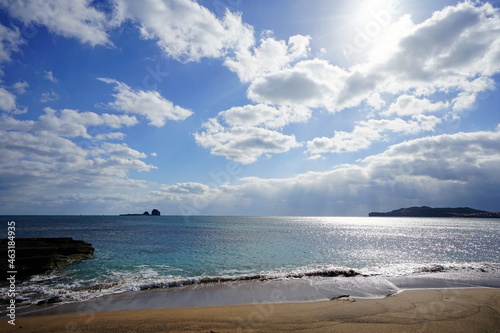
366, 132
243, 144
407, 105
149, 104
449, 169
461, 53
186, 30
34, 161
461, 47
8, 102
466, 160
244, 133
69, 123
10, 40
183, 29
49, 96
75, 19
49, 76
265, 115
310, 83
271, 55
20, 87
56, 151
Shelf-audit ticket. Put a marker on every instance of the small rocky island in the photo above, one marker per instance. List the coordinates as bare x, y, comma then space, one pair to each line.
426, 211
39, 255
154, 212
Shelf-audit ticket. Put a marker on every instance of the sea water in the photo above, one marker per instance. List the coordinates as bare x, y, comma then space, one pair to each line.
232, 259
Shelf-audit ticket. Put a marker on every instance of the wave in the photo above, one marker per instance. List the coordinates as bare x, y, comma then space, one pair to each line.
57, 288
260, 277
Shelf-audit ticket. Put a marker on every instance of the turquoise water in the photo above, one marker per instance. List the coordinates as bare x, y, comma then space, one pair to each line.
137, 253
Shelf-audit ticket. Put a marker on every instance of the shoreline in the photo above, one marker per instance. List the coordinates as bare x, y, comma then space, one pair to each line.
416, 310
241, 292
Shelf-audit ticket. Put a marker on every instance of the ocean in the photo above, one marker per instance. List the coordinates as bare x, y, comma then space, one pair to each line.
175, 261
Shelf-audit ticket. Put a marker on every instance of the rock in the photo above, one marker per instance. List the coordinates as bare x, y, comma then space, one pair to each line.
154, 212
339, 297
52, 300
39, 255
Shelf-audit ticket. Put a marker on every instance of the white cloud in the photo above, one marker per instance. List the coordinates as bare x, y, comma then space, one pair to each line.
109, 136
183, 29
76, 19
443, 170
49, 96
367, 132
461, 53
270, 56
10, 40
469, 159
49, 76
461, 47
375, 101
243, 133
71, 123
57, 152
265, 115
186, 30
243, 144
68, 123
8, 102
20, 87
33, 162
149, 104
310, 83
407, 105
190, 187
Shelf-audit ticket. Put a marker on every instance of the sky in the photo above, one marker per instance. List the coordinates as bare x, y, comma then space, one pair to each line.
239, 107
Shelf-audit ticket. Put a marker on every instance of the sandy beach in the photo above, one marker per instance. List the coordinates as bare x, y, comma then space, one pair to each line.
430, 310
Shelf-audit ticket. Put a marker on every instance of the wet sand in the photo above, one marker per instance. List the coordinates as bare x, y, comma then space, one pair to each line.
429, 310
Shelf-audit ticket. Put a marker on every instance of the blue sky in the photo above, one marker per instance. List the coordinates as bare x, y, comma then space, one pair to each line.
248, 107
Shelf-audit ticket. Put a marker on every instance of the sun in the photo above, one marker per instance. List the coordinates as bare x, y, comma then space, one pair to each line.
379, 10
370, 33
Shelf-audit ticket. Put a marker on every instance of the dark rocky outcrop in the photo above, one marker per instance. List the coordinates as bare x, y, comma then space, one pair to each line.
426, 211
154, 212
39, 255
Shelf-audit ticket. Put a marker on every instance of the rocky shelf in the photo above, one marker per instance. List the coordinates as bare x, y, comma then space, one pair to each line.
39, 255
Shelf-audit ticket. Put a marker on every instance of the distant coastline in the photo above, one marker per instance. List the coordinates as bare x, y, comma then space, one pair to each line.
426, 211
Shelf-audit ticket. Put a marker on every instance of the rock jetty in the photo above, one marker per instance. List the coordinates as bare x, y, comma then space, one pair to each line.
39, 255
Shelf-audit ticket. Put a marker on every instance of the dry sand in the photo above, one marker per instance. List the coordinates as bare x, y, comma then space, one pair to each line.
444, 310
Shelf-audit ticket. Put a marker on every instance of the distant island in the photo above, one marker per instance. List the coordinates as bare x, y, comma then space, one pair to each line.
426, 211
154, 212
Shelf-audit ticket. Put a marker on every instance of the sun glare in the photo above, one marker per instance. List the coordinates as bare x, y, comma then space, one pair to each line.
369, 32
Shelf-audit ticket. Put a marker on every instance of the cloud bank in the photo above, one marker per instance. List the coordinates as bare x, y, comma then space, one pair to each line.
449, 169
